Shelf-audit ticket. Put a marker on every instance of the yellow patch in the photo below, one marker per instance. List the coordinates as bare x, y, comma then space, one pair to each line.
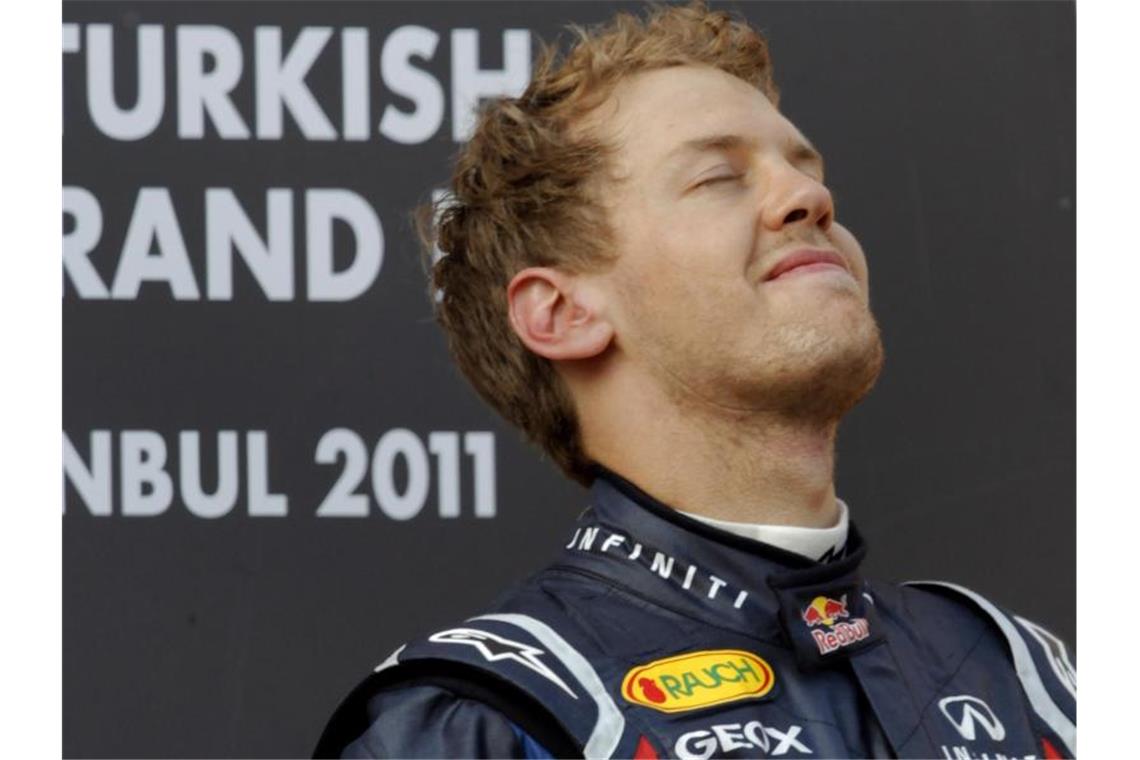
698, 679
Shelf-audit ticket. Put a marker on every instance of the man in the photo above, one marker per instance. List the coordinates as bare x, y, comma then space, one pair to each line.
643, 271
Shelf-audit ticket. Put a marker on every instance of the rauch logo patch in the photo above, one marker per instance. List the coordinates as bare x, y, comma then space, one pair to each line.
698, 679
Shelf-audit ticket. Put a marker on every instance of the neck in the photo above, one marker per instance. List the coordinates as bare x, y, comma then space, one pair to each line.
727, 464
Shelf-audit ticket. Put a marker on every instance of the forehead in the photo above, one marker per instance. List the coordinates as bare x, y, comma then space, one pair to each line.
652, 115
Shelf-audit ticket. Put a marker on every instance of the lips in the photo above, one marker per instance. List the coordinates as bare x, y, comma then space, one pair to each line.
803, 258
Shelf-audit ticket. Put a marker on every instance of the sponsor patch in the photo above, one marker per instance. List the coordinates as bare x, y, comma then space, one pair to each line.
726, 738
967, 713
832, 626
975, 721
698, 679
495, 648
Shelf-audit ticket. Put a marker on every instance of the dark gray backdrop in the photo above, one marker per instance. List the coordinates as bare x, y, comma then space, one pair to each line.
949, 133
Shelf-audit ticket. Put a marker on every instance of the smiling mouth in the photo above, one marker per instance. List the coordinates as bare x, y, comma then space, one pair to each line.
806, 261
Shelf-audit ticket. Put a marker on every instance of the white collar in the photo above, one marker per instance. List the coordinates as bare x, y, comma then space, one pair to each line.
812, 543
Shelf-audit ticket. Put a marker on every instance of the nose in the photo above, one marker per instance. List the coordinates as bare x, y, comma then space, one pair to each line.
796, 198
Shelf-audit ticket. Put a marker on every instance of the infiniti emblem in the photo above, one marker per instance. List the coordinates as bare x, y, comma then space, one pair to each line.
965, 713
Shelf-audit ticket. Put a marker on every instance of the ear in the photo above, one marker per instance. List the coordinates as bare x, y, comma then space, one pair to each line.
557, 315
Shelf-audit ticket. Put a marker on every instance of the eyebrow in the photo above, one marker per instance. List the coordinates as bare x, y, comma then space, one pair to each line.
800, 151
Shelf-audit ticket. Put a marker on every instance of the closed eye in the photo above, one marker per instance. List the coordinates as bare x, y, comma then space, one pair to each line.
717, 179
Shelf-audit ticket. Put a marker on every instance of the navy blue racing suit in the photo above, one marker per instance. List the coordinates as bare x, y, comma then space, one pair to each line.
655, 635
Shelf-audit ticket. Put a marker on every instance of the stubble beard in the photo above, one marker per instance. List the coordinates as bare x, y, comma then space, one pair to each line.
821, 384
808, 375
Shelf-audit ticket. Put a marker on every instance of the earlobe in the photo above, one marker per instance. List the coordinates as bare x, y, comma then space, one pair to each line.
552, 314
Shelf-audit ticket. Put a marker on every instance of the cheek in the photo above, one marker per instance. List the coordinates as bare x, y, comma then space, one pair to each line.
680, 272
681, 299
718, 251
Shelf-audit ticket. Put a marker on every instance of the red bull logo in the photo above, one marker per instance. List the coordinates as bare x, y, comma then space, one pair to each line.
825, 611
833, 627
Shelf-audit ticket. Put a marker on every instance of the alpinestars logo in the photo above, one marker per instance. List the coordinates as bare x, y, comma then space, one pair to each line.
1055, 653
494, 648
833, 553
966, 713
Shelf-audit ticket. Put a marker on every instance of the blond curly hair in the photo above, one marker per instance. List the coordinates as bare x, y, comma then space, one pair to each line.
520, 196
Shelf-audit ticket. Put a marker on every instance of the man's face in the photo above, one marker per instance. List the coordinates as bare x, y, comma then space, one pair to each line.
714, 190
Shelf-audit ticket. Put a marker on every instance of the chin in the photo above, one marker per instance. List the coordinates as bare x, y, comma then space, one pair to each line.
819, 377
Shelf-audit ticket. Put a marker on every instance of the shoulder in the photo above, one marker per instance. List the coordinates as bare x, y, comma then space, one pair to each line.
1023, 636
512, 683
949, 616
1034, 649
425, 720
440, 708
